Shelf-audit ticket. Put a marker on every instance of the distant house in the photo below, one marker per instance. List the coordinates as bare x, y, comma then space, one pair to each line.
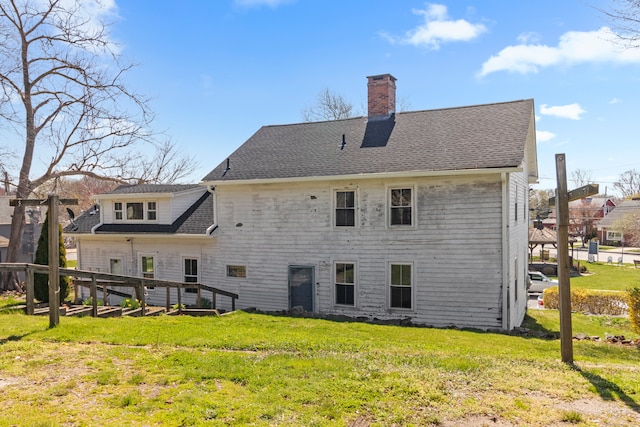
420, 215
31, 233
609, 232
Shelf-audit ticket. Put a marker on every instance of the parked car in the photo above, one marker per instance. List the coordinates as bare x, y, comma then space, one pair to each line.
538, 282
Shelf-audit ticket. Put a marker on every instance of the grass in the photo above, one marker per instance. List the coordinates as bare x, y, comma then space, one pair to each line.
607, 277
260, 370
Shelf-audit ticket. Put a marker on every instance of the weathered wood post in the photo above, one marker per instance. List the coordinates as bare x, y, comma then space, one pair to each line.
53, 201
562, 199
54, 262
94, 296
30, 291
564, 287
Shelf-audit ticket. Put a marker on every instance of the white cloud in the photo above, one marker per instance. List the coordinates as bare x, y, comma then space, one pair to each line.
571, 111
258, 3
438, 28
574, 47
544, 136
615, 101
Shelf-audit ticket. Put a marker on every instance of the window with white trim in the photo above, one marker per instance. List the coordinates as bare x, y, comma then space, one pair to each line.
401, 206
401, 285
345, 287
237, 271
345, 208
191, 274
135, 210
152, 211
147, 269
117, 211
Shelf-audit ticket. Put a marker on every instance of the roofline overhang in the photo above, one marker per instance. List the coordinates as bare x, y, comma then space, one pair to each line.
168, 194
403, 174
98, 236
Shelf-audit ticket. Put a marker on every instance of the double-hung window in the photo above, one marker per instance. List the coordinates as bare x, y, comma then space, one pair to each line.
117, 210
152, 211
345, 283
190, 274
401, 206
401, 286
345, 208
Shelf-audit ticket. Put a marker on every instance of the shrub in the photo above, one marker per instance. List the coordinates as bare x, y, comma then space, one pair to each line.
130, 303
89, 301
634, 308
41, 281
610, 303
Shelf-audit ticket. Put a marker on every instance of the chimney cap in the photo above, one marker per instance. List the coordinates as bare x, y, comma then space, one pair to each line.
381, 76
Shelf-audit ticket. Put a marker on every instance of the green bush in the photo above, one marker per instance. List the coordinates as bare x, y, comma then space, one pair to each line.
89, 301
634, 308
130, 303
611, 303
41, 281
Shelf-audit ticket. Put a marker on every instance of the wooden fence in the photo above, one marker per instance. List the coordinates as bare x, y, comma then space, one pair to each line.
102, 281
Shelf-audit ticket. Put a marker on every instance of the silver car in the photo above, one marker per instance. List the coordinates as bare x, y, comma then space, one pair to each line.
538, 282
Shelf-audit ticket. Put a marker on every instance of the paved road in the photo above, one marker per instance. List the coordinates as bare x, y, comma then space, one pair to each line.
582, 254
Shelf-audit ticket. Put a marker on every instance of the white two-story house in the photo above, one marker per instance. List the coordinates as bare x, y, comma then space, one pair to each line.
420, 215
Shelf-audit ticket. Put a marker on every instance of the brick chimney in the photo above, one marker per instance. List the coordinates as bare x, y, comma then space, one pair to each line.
382, 96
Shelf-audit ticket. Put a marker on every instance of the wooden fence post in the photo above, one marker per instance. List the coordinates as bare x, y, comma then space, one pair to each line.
30, 291
94, 296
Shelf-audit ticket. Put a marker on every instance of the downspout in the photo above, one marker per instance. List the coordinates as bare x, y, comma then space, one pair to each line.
506, 321
95, 227
211, 189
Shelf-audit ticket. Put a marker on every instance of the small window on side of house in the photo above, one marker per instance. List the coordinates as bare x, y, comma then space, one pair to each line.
239, 271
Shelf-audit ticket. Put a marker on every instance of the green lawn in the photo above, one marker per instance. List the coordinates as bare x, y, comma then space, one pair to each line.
261, 370
607, 277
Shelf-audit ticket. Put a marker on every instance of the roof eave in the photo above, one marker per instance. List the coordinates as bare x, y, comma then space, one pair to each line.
402, 174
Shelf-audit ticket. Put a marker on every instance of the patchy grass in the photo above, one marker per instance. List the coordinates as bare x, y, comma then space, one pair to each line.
250, 369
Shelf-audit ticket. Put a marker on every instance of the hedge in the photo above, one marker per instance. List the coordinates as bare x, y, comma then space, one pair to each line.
612, 303
634, 308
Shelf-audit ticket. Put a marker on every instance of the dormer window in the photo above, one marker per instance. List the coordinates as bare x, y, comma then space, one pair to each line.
117, 210
135, 211
151, 211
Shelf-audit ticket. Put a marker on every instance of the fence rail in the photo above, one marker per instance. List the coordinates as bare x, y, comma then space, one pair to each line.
96, 280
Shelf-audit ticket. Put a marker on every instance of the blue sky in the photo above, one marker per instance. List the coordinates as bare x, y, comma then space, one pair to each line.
219, 70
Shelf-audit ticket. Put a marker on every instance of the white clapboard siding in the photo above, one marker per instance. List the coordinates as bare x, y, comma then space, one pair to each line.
456, 248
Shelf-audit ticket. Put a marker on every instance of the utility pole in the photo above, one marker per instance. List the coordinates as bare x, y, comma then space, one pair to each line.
53, 201
564, 286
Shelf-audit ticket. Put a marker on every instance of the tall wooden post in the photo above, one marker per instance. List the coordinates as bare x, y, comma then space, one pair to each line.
53, 201
54, 261
564, 287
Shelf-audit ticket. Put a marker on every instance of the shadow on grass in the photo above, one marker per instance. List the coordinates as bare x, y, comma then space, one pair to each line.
13, 338
608, 390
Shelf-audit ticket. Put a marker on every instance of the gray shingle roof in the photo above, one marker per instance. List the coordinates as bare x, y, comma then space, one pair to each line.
153, 188
474, 137
194, 220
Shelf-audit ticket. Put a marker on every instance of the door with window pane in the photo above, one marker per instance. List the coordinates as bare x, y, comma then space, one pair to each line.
301, 280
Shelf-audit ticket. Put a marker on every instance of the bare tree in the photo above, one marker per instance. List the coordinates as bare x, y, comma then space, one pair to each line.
624, 16
329, 106
62, 93
628, 184
629, 225
580, 177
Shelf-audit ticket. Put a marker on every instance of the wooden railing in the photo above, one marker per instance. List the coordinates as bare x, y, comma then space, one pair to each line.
95, 280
